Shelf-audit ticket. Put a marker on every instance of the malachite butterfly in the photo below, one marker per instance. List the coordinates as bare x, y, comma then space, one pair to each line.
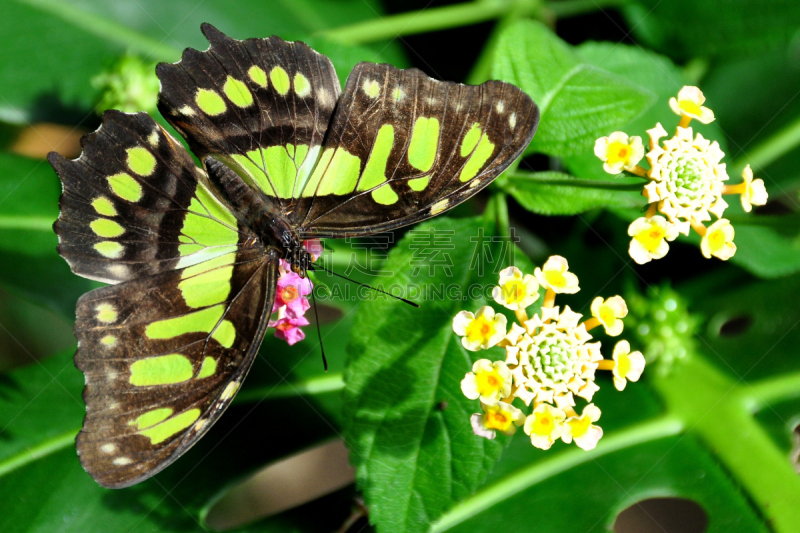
191, 254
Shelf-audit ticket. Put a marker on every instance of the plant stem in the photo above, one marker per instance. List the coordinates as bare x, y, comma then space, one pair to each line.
571, 8
770, 149
434, 19
521, 480
311, 386
718, 410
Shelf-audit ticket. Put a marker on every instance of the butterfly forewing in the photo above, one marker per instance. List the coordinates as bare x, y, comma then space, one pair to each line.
163, 357
134, 203
403, 147
261, 105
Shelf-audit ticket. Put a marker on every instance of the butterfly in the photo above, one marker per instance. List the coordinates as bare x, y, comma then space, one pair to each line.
191, 254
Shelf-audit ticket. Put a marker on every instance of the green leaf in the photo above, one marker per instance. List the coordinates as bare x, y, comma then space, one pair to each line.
556, 193
763, 250
685, 29
578, 102
406, 420
41, 82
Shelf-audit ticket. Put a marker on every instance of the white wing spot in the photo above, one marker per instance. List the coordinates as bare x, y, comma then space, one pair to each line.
372, 88
325, 98
186, 110
398, 94
111, 375
106, 312
229, 391
108, 448
500, 107
120, 271
122, 461
439, 206
153, 138
512, 120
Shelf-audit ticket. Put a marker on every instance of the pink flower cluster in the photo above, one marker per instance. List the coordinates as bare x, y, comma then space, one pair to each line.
291, 299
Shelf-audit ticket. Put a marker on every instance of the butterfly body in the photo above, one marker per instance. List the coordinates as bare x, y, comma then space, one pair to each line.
191, 254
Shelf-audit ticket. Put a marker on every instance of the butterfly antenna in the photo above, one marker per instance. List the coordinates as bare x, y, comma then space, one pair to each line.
319, 333
409, 302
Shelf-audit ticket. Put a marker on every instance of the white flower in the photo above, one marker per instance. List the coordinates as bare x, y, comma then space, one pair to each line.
627, 366
690, 104
618, 152
555, 275
650, 236
489, 381
516, 292
581, 429
718, 240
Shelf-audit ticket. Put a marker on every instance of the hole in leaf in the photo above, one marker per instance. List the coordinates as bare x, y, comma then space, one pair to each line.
662, 515
733, 327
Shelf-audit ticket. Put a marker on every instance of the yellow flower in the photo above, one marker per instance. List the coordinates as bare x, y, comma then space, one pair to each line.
690, 104
545, 425
753, 191
496, 416
581, 429
554, 275
516, 292
618, 152
627, 366
609, 312
480, 331
650, 236
718, 240
489, 381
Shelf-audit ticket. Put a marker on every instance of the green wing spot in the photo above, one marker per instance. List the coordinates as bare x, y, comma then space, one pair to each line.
470, 140
151, 418
125, 187
164, 430
207, 231
375, 171
189, 249
478, 158
210, 102
161, 370
202, 321
258, 75
424, 143
110, 249
336, 173
237, 92
205, 203
302, 87
253, 173
209, 288
280, 80
106, 313
109, 340
208, 368
104, 227
419, 184
282, 166
225, 334
384, 195
141, 161
104, 207
221, 261
372, 88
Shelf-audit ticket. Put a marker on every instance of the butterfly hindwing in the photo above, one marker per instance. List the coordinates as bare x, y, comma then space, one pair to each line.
163, 357
403, 147
134, 204
260, 105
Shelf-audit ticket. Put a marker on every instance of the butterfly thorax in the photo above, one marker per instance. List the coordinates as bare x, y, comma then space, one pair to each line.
270, 228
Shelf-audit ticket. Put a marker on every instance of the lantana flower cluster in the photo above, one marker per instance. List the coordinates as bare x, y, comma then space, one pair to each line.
291, 299
686, 182
549, 361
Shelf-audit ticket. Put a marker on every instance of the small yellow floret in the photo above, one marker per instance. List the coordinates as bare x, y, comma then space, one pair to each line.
489, 381
545, 425
555, 275
650, 236
753, 191
619, 152
480, 331
496, 416
516, 292
690, 104
581, 430
609, 313
718, 240
628, 366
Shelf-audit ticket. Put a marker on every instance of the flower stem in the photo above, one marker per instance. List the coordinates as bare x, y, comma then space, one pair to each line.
770, 149
718, 410
433, 19
591, 323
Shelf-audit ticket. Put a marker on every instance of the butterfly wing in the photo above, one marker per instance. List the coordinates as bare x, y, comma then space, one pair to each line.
403, 147
261, 106
165, 348
164, 356
134, 204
